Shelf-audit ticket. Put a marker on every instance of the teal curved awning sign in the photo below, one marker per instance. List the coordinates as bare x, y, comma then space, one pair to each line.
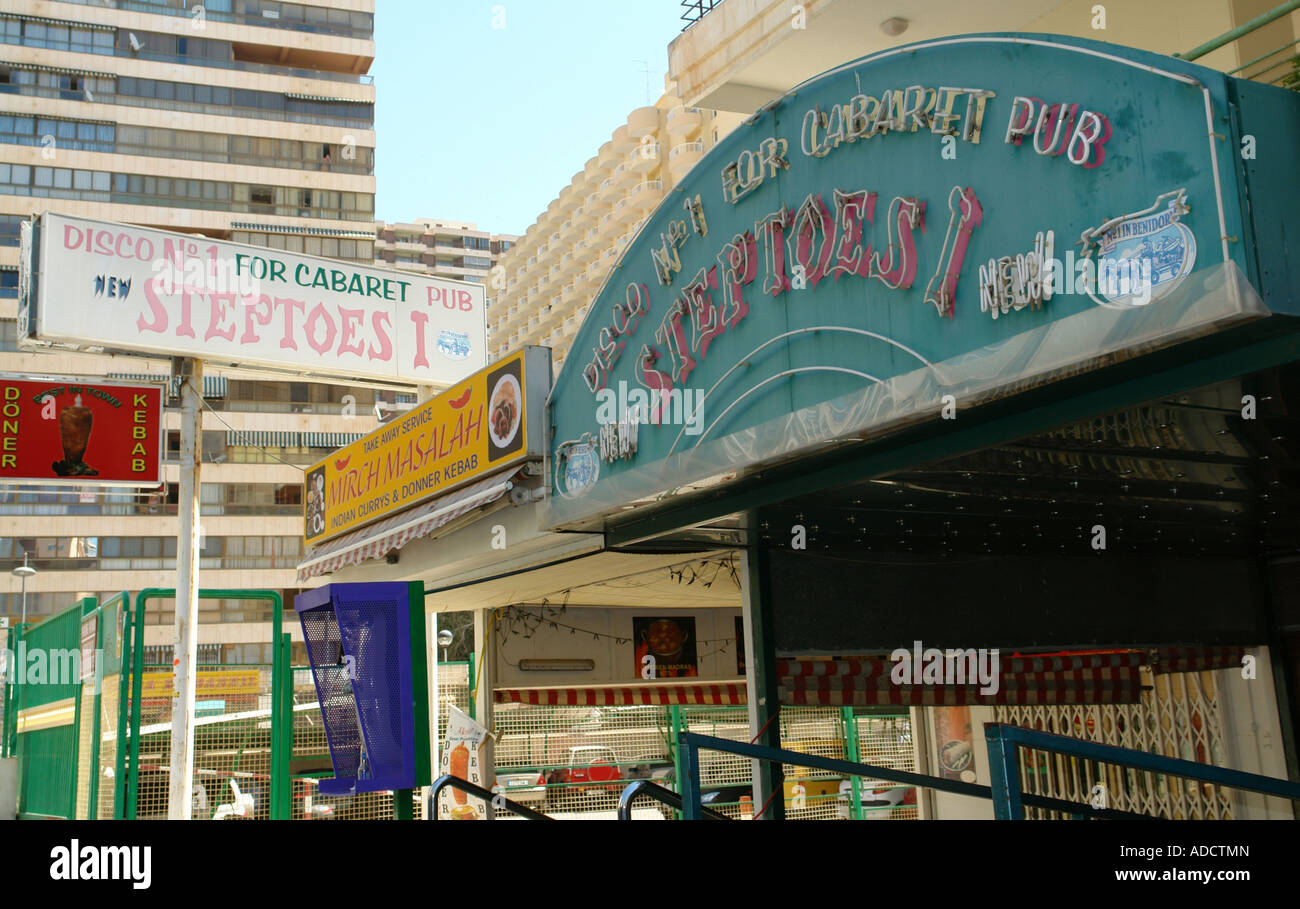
904, 236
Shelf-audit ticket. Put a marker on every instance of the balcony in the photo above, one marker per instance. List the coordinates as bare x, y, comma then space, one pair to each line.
596, 272
623, 141
594, 170
682, 158
607, 157
232, 63
682, 121
644, 159
643, 197
355, 27
609, 227
643, 121
624, 175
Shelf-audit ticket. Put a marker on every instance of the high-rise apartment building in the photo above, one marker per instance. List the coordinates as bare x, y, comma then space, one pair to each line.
246, 120
552, 273
440, 249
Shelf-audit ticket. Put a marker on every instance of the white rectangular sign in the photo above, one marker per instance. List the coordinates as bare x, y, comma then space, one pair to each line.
120, 287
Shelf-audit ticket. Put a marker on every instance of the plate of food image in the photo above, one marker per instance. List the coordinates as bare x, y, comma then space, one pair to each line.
505, 411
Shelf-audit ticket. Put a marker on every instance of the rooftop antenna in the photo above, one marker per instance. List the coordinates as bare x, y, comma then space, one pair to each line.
645, 68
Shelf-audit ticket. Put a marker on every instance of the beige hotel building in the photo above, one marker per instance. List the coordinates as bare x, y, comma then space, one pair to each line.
251, 121
549, 277
441, 249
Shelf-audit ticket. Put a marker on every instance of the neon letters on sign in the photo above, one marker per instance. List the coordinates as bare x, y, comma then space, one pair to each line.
906, 209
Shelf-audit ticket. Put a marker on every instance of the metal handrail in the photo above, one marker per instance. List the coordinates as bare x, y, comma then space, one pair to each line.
660, 794
1244, 29
1009, 801
493, 799
692, 742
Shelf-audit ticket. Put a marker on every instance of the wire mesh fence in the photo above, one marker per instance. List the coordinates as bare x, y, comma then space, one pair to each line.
575, 761
885, 740
107, 769
311, 751
232, 743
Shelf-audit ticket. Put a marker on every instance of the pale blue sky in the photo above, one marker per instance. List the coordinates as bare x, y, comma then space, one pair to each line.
485, 124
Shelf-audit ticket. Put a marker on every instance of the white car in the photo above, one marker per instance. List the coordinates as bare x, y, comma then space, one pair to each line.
527, 788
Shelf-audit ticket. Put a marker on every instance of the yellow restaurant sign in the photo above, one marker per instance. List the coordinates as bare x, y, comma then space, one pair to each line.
211, 683
475, 427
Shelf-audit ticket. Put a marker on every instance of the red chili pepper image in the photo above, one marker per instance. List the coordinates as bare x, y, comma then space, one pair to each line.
458, 403
342, 463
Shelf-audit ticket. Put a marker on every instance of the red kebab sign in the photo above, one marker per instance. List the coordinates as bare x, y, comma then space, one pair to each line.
70, 432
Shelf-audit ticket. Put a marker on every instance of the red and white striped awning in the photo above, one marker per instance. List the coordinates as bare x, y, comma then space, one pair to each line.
1083, 678
377, 540
661, 694
1106, 678
1196, 659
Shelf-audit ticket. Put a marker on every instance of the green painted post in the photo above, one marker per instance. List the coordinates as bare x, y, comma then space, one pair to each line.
123, 714
767, 705
92, 800
678, 727
286, 728
851, 753
403, 804
472, 699
9, 673
76, 755
277, 752
10, 734
137, 691
281, 730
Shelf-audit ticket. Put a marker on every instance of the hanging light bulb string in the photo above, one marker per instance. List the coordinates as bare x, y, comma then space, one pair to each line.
521, 621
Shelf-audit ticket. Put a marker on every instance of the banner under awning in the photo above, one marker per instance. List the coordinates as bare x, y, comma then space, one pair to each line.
657, 695
1082, 678
1087, 678
377, 540
1102, 678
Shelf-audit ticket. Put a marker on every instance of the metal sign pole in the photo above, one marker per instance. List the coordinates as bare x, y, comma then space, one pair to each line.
186, 647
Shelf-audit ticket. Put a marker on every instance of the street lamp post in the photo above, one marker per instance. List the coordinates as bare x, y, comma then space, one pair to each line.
24, 571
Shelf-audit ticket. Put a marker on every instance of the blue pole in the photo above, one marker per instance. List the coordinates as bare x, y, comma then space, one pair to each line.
1004, 774
691, 785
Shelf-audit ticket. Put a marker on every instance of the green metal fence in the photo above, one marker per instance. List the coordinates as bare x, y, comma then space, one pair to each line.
547, 744
90, 723
61, 710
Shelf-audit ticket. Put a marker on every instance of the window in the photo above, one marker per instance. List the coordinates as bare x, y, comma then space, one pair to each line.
261, 195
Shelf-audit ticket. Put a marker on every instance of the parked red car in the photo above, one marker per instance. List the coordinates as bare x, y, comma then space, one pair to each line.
590, 767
